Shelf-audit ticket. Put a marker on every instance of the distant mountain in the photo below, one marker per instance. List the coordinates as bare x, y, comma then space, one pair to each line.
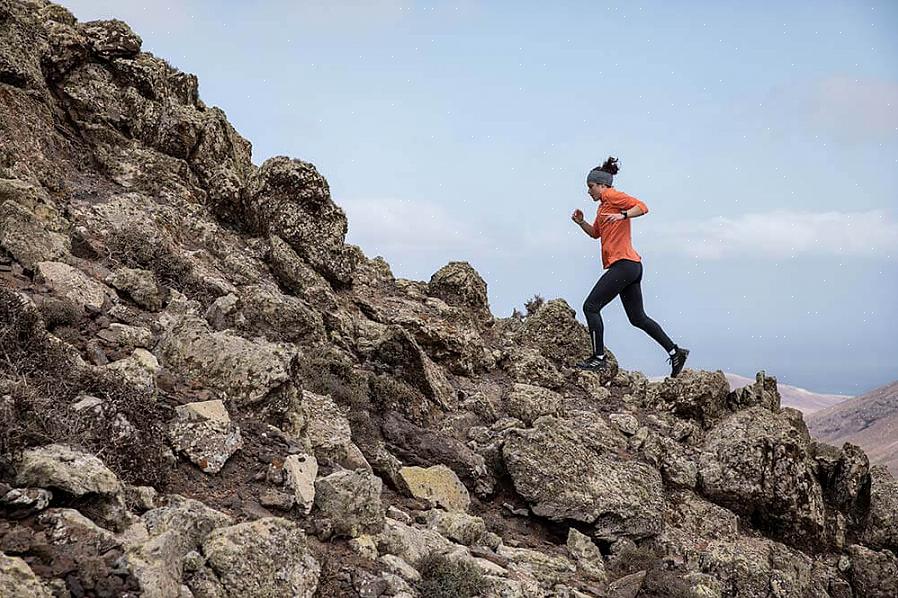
792, 396
869, 421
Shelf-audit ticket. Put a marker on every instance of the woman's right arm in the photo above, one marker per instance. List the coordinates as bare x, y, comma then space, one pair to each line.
589, 229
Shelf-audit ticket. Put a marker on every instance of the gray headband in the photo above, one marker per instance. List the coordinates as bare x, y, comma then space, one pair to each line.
599, 176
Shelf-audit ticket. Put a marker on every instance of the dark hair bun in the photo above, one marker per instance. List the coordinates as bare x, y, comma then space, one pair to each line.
610, 165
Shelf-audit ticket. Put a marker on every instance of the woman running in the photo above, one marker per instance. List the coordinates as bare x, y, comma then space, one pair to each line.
624, 265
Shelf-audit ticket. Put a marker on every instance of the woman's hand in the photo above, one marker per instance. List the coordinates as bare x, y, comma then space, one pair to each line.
577, 216
613, 217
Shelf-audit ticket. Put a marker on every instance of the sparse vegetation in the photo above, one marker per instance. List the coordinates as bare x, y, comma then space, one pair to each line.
441, 577
40, 382
534, 304
323, 372
134, 249
58, 312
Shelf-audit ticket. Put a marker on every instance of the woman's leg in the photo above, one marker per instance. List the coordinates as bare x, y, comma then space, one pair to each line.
620, 274
631, 297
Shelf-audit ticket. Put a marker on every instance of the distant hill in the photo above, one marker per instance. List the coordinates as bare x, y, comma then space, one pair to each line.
869, 421
802, 399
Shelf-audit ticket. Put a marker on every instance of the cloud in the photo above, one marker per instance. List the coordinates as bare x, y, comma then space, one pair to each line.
780, 234
855, 108
401, 226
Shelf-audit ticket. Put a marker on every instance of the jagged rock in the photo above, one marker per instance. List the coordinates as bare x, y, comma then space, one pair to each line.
267, 557
126, 337
625, 422
844, 475
140, 286
762, 392
139, 369
526, 365
694, 394
438, 485
111, 38
459, 285
245, 371
205, 433
267, 311
555, 332
24, 236
66, 468
401, 355
410, 543
17, 580
72, 284
365, 546
297, 277
458, 527
328, 429
420, 446
873, 574
587, 555
527, 402
300, 473
548, 569
399, 567
881, 529
627, 586
758, 464
22, 502
275, 499
677, 464
292, 200
568, 469
351, 501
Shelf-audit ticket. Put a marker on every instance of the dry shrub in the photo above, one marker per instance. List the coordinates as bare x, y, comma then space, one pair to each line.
41, 381
659, 582
58, 312
634, 559
135, 249
441, 577
327, 372
534, 304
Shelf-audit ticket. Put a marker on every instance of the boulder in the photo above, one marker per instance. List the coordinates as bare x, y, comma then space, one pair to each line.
762, 392
140, 286
881, 530
72, 284
300, 473
459, 285
351, 501
205, 433
266, 557
528, 402
27, 239
68, 469
874, 574
528, 366
245, 371
757, 463
411, 543
438, 485
17, 580
587, 555
400, 355
111, 38
569, 469
290, 199
458, 527
139, 369
694, 394
554, 331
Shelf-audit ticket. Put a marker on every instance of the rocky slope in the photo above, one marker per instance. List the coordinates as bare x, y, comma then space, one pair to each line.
869, 421
205, 392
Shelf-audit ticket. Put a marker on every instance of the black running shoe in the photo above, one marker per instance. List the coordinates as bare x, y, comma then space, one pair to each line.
594, 364
677, 360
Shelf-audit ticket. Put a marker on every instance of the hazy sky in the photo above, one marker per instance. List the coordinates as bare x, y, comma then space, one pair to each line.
763, 137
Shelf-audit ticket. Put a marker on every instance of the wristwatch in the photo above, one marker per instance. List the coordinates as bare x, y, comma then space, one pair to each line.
624, 212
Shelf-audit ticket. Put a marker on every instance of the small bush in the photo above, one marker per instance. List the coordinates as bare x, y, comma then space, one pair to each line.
634, 559
442, 577
323, 372
58, 312
135, 249
534, 304
41, 381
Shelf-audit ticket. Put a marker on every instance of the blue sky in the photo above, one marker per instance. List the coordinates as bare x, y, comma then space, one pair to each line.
763, 137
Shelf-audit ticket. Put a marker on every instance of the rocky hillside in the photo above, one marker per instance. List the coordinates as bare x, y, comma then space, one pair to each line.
205, 392
869, 421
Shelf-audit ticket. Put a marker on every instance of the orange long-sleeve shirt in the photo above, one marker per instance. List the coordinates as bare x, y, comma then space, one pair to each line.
615, 236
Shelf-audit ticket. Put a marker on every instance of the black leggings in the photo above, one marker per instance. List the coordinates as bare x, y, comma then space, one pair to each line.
623, 277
